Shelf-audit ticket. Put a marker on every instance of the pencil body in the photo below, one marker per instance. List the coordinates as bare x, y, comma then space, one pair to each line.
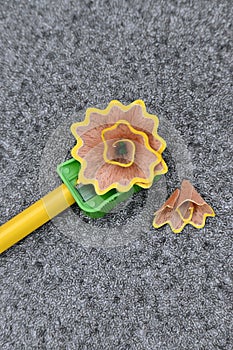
34, 216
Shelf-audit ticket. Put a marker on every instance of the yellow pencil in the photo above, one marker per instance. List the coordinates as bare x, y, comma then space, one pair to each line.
35, 216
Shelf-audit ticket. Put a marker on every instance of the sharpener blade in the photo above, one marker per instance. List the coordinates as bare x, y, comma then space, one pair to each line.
86, 191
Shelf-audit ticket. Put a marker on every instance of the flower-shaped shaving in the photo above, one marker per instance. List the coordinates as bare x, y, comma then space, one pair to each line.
184, 206
118, 147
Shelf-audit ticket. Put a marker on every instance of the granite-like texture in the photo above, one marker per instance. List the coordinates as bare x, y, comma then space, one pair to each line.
161, 291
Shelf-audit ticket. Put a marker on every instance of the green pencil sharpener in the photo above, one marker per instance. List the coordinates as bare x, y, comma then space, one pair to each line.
92, 204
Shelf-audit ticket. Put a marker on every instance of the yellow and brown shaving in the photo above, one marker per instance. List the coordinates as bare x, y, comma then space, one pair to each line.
119, 147
184, 206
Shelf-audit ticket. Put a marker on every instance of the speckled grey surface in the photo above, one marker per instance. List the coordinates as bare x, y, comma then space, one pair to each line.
161, 291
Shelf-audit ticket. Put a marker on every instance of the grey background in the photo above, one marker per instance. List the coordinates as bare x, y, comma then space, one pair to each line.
161, 291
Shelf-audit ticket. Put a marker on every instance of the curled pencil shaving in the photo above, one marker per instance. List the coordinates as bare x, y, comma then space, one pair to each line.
184, 206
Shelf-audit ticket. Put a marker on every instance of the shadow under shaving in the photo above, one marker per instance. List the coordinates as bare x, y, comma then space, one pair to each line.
119, 215
172, 178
